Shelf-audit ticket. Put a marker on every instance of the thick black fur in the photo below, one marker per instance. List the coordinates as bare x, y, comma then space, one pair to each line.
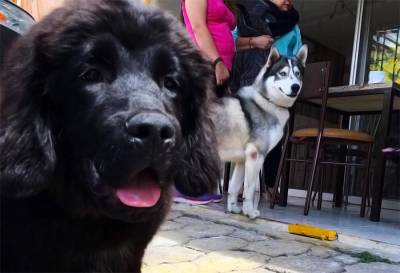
69, 87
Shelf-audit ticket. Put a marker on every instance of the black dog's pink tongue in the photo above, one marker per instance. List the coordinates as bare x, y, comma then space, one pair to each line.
142, 191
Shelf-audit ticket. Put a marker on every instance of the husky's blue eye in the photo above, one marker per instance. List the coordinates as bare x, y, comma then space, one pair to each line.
283, 73
297, 73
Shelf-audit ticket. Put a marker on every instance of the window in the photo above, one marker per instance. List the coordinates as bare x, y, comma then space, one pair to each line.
384, 54
327, 27
380, 42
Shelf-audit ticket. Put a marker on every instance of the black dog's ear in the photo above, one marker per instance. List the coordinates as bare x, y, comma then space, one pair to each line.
200, 170
199, 164
27, 155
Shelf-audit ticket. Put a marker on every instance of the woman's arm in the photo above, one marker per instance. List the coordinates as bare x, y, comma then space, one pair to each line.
262, 42
197, 12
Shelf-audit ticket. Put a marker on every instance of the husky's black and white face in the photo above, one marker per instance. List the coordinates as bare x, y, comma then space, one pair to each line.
282, 77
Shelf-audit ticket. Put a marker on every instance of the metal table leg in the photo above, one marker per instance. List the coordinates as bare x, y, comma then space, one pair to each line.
380, 161
341, 173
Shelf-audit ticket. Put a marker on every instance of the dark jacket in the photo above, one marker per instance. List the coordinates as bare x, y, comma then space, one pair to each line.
255, 18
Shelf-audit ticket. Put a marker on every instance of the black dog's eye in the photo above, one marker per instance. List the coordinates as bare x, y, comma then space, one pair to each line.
283, 73
91, 75
171, 83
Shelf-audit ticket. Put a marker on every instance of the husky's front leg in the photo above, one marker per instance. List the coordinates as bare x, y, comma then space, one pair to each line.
234, 187
253, 166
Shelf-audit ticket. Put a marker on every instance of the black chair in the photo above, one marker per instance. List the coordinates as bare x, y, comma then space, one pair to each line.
326, 141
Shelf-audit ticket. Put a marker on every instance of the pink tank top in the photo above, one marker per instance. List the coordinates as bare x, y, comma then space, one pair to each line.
220, 22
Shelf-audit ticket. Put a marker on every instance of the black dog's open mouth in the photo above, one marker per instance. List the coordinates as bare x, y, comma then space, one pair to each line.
142, 190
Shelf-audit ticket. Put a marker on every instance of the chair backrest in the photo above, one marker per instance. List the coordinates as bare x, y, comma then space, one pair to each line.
316, 85
315, 80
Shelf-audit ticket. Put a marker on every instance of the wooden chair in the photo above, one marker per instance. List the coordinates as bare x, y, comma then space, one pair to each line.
316, 86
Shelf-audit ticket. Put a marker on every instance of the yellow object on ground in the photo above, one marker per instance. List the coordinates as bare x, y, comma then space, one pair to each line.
314, 232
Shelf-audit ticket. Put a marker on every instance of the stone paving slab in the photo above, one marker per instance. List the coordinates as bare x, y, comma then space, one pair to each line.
187, 267
170, 225
345, 259
207, 230
373, 268
174, 214
217, 243
227, 261
345, 243
323, 252
191, 221
201, 240
275, 248
165, 254
249, 236
304, 264
167, 239
256, 270
170, 238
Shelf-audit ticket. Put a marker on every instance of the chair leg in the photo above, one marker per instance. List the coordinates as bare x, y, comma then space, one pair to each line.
227, 171
312, 178
369, 197
366, 186
317, 191
281, 167
347, 185
321, 184
313, 198
306, 157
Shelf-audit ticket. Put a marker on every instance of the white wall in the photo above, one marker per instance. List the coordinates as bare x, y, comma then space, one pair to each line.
171, 5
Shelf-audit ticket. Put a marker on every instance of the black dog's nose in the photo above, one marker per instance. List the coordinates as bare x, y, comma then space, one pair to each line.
295, 89
151, 127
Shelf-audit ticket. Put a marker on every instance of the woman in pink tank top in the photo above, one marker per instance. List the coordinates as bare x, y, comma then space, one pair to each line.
209, 23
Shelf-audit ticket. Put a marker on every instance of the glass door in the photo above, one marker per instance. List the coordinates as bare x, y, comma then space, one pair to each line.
380, 43
328, 28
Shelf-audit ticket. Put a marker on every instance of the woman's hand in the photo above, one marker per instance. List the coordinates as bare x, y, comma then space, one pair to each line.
221, 73
262, 42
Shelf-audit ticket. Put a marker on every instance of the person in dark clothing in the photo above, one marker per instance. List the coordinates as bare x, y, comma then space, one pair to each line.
260, 25
270, 19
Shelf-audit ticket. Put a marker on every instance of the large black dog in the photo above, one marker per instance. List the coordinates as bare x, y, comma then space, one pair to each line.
104, 107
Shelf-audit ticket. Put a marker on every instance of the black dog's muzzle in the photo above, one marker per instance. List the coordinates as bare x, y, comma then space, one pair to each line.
152, 129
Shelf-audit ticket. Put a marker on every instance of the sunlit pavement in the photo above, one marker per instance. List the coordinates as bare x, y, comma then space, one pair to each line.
199, 239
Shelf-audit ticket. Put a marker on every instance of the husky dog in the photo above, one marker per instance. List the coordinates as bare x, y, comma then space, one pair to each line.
250, 124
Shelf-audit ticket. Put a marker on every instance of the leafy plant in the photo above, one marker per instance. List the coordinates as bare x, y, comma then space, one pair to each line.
366, 257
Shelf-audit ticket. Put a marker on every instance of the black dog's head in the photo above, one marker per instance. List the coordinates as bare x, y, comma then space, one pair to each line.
104, 106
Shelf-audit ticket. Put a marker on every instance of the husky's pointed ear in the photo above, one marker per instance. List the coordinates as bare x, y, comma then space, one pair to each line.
27, 155
273, 56
302, 54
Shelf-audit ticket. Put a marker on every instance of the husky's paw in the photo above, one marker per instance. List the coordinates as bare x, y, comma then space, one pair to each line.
233, 208
252, 214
